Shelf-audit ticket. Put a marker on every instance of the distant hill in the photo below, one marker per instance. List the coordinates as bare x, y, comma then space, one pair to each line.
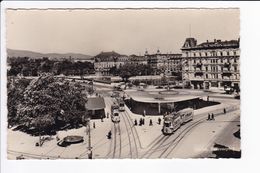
36, 55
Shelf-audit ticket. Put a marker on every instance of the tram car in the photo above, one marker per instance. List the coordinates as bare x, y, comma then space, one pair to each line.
186, 115
171, 123
115, 116
174, 120
121, 104
114, 107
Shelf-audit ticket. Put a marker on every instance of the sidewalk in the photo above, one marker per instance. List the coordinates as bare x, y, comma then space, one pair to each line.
203, 136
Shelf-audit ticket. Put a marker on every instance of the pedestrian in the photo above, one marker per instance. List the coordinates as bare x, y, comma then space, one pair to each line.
212, 117
135, 122
209, 117
159, 120
107, 114
57, 137
224, 111
109, 135
144, 113
151, 122
140, 122
94, 125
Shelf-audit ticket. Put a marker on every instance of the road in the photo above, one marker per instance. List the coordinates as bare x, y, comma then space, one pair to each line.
129, 141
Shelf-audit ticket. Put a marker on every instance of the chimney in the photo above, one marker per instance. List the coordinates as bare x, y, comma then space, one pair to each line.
215, 40
207, 41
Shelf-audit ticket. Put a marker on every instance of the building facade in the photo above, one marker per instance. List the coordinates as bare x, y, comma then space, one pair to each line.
104, 61
211, 64
169, 64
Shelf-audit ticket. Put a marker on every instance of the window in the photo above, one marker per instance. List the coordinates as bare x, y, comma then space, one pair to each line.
206, 68
199, 54
221, 68
207, 76
194, 61
235, 60
221, 53
235, 53
221, 60
235, 68
194, 54
227, 53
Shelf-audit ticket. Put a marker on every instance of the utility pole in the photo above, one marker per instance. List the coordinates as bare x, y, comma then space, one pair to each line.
89, 138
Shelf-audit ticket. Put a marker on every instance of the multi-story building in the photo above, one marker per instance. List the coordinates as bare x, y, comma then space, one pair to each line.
211, 64
174, 64
134, 59
104, 61
169, 64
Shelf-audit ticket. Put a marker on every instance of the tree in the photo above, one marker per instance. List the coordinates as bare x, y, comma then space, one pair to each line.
15, 92
49, 103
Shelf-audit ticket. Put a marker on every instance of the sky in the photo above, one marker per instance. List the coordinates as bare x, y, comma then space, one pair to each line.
126, 31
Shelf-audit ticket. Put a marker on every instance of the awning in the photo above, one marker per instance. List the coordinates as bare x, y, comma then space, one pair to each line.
95, 103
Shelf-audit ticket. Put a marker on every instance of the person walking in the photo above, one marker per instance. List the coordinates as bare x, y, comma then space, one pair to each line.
140, 122
135, 122
151, 122
107, 114
208, 117
159, 120
212, 117
224, 111
94, 125
109, 135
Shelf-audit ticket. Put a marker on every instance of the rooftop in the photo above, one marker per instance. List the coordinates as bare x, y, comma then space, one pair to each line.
191, 44
95, 103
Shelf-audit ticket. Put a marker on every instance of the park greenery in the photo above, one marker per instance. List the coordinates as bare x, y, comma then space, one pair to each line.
128, 70
45, 104
34, 67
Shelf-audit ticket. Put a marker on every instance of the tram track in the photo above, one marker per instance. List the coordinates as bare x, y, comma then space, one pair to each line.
171, 145
117, 140
128, 136
174, 143
133, 132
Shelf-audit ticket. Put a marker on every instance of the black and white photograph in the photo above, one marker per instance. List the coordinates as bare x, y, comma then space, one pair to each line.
123, 83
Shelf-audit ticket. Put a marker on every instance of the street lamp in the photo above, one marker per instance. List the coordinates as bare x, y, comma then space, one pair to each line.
89, 148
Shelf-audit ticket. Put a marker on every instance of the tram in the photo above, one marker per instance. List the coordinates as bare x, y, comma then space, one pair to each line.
115, 113
121, 105
114, 107
174, 120
115, 116
186, 115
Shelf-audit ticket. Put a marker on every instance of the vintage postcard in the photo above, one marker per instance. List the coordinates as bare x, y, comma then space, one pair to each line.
123, 83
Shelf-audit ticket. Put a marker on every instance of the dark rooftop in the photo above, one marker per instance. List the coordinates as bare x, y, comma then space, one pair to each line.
210, 45
95, 103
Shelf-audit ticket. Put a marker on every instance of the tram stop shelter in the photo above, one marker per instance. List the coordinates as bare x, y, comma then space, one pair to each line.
96, 107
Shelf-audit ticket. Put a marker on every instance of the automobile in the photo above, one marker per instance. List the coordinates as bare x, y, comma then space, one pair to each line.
117, 88
115, 94
159, 87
